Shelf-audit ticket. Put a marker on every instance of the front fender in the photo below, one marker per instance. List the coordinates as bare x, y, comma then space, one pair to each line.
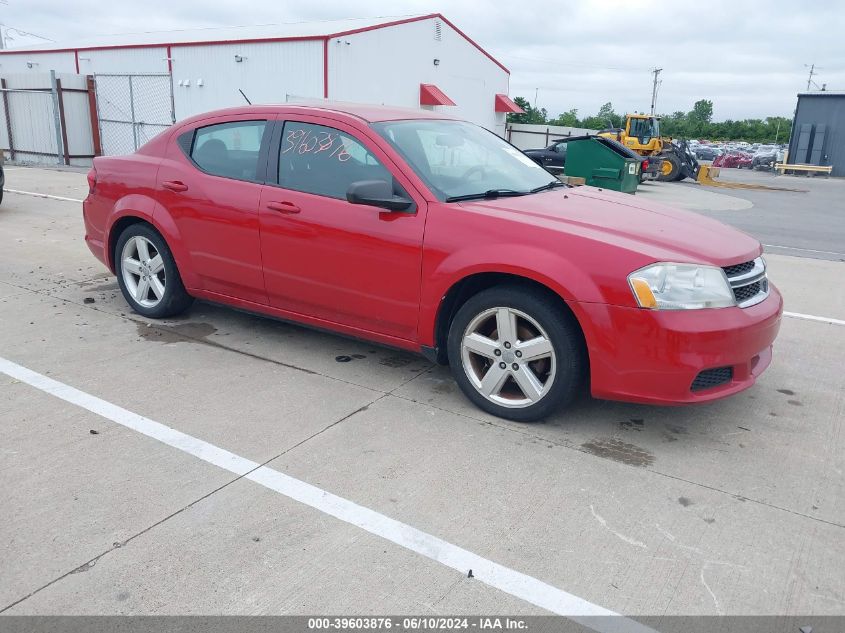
545, 267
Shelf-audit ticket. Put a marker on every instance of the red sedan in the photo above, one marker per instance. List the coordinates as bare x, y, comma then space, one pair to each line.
738, 160
432, 234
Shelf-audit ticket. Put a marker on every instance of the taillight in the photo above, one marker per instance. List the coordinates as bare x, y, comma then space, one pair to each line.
645, 165
92, 180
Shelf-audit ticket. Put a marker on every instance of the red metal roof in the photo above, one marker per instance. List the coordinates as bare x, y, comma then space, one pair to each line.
504, 103
431, 95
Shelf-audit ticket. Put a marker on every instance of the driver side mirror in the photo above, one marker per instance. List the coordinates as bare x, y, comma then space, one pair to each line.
378, 193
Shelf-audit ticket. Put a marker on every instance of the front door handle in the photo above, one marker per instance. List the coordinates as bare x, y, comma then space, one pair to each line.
283, 207
174, 185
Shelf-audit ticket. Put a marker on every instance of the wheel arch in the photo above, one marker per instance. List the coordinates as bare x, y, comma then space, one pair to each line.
470, 285
128, 214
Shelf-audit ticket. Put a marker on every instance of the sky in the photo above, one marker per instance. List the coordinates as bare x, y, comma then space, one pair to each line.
747, 57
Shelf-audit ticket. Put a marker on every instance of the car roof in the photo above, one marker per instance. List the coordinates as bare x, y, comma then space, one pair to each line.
368, 113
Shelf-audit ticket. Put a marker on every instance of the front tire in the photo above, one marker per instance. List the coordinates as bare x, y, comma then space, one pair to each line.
516, 353
147, 273
670, 168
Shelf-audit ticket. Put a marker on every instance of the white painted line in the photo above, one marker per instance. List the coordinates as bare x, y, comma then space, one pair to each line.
505, 579
41, 195
812, 317
806, 250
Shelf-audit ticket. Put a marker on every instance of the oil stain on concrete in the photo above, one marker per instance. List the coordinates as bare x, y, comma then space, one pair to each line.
619, 451
179, 333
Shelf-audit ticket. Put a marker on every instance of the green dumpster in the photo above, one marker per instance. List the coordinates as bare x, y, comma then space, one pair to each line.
603, 162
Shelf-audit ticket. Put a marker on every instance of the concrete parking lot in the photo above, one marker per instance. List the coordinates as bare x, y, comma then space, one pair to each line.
306, 473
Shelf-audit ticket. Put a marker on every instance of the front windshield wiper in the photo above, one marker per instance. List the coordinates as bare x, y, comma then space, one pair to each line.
490, 194
549, 185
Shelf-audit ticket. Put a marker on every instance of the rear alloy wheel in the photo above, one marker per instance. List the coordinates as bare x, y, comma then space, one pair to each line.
142, 267
147, 274
515, 353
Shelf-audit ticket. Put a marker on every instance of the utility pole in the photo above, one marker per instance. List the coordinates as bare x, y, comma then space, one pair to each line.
536, 90
810, 81
655, 72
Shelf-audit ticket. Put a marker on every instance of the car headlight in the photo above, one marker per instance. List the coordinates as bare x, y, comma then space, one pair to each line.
681, 287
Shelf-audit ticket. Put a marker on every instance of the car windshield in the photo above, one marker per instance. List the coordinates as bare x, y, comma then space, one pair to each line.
456, 158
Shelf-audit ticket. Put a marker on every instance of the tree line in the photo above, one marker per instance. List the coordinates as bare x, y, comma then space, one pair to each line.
697, 123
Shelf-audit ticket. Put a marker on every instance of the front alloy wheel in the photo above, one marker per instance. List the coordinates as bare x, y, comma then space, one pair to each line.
508, 357
517, 352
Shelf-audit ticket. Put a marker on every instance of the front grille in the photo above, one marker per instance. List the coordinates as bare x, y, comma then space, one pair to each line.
748, 282
744, 293
739, 269
710, 378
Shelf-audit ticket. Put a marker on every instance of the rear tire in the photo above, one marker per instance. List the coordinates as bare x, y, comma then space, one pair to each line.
535, 367
147, 273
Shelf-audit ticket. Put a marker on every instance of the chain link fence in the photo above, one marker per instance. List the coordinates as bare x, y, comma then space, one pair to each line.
132, 109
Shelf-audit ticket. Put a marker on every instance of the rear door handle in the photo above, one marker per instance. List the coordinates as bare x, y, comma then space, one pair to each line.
174, 185
283, 207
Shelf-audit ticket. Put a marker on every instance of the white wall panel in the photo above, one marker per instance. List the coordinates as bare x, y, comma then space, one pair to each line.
268, 73
123, 60
113, 60
388, 65
41, 62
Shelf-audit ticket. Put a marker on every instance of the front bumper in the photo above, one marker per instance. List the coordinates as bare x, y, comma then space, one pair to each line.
653, 356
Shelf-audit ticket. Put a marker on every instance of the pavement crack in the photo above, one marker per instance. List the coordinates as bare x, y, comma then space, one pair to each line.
710, 591
326, 428
119, 545
603, 522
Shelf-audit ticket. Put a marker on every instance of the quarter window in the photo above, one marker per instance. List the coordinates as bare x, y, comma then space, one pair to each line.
324, 161
231, 150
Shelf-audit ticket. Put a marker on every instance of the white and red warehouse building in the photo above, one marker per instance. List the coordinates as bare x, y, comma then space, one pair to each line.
417, 61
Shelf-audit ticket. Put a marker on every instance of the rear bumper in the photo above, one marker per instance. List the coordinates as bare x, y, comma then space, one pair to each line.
94, 238
654, 356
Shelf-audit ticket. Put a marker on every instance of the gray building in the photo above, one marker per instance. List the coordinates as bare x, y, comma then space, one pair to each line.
818, 131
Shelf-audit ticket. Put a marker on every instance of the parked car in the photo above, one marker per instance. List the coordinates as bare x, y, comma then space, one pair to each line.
765, 157
706, 152
552, 157
434, 235
736, 159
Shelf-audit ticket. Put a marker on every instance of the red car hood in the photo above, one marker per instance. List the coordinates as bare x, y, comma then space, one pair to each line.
655, 230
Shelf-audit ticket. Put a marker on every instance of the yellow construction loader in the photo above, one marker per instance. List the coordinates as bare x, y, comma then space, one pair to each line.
674, 159
642, 135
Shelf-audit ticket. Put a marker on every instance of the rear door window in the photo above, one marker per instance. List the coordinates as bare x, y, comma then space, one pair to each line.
324, 161
230, 150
